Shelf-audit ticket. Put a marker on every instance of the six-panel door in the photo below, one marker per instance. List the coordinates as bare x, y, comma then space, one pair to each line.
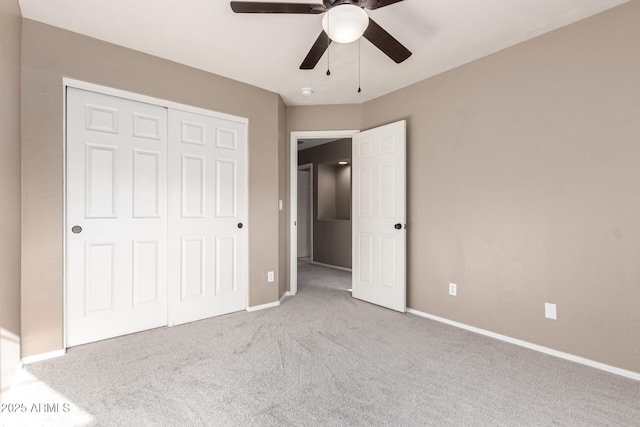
379, 216
207, 216
116, 216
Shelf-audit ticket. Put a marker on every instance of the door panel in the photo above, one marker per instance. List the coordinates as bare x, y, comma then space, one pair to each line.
100, 280
101, 181
192, 266
207, 213
226, 188
226, 265
379, 199
147, 187
116, 192
193, 186
146, 272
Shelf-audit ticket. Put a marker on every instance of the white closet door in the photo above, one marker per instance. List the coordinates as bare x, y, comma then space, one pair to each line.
379, 216
116, 217
207, 216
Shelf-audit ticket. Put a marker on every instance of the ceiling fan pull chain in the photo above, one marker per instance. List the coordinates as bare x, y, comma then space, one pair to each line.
328, 48
359, 65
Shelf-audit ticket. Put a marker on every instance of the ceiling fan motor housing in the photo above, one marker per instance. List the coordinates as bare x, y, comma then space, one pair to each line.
332, 3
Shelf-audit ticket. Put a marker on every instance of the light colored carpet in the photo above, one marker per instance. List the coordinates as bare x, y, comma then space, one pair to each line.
321, 358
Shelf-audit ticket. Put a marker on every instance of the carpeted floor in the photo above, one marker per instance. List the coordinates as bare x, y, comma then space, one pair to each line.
321, 358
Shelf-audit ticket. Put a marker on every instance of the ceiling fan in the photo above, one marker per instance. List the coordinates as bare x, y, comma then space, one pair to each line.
345, 21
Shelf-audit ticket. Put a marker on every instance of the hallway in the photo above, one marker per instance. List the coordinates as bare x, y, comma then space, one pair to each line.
312, 275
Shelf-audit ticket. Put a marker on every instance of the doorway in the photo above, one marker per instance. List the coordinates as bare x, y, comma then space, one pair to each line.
296, 137
378, 203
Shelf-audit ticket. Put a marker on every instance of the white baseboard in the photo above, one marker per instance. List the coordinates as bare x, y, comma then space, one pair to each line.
322, 264
44, 356
285, 295
263, 306
531, 346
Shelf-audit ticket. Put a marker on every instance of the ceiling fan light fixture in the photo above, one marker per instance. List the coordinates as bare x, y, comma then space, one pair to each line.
345, 23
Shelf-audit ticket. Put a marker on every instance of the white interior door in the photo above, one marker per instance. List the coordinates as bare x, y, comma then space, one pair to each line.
116, 216
208, 216
304, 213
379, 216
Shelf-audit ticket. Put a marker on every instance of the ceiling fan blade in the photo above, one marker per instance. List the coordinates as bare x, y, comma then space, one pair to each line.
316, 52
385, 42
377, 4
261, 7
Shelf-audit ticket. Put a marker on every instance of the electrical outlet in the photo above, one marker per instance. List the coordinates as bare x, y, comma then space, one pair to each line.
550, 311
453, 289
271, 276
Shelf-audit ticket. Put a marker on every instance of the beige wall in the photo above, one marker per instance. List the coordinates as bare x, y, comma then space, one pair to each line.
323, 117
343, 191
523, 177
524, 188
48, 55
10, 30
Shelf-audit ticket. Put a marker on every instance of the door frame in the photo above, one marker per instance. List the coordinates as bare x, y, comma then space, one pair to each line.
308, 167
106, 90
293, 193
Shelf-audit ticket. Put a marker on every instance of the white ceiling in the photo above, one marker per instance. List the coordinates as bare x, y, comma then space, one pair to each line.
266, 50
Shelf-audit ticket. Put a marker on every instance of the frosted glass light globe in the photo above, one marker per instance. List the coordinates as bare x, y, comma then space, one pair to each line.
345, 23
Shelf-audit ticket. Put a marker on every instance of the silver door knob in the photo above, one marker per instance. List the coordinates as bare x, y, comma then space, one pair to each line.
76, 229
